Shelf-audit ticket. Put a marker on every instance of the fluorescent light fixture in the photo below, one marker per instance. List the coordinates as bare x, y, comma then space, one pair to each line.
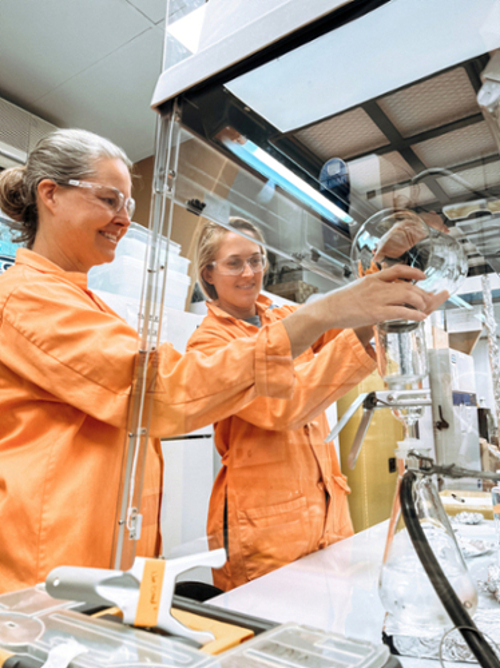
273, 170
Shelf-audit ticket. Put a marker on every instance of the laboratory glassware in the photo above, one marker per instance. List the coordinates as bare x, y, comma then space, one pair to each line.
405, 590
400, 236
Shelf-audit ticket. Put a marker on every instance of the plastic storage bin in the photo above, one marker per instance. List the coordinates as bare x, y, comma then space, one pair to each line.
124, 276
135, 242
7, 247
34, 624
292, 645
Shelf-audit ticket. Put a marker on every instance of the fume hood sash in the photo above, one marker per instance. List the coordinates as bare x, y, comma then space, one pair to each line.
249, 38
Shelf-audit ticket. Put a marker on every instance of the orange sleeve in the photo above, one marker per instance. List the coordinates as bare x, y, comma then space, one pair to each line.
200, 389
55, 338
328, 336
339, 366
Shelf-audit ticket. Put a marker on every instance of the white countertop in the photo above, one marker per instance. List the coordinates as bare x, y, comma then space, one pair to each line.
335, 589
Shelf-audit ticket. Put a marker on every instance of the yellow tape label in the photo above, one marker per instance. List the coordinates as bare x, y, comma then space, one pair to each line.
150, 593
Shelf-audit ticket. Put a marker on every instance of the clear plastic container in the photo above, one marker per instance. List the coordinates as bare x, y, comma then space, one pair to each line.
34, 624
124, 275
135, 243
292, 645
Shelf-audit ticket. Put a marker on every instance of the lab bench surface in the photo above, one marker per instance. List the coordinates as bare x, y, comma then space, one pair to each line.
334, 589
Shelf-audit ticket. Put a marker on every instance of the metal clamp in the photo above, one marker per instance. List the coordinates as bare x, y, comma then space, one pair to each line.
151, 578
370, 402
428, 467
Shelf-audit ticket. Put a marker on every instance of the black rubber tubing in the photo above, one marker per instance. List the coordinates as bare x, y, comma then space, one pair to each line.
452, 604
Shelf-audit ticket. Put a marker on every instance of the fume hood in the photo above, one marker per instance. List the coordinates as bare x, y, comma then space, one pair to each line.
396, 130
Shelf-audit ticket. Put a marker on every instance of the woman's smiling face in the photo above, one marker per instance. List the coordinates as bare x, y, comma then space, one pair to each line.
84, 231
236, 294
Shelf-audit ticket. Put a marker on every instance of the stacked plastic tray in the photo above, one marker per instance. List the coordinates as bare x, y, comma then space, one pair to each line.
124, 275
34, 628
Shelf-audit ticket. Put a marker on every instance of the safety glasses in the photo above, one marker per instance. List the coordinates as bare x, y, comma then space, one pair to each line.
233, 266
112, 198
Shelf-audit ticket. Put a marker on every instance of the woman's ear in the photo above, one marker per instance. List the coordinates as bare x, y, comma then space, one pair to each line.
46, 190
207, 275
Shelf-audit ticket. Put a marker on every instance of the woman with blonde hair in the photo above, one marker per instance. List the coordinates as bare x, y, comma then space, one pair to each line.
280, 493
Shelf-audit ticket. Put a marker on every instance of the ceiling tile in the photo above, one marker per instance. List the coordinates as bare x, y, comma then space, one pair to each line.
457, 147
374, 171
370, 174
155, 10
479, 178
113, 97
44, 44
342, 136
429, 104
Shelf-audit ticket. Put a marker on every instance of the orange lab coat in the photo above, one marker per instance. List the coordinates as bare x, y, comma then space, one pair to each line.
280, 493
66, 366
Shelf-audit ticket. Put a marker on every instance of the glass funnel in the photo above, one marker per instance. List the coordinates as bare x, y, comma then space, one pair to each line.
400, 236
405, 590
402, 363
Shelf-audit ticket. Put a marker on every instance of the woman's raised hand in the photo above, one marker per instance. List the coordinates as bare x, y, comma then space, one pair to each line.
389, 294
407, 232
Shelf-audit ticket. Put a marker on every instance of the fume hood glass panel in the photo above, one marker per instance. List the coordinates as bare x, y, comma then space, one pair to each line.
343, 129
295, 232
312, 144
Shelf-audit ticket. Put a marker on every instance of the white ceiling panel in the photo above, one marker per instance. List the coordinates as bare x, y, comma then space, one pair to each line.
45, 44
373, 172
121, 86
478, 178
155, 10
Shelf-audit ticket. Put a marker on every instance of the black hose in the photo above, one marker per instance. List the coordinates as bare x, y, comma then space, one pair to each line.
452, 604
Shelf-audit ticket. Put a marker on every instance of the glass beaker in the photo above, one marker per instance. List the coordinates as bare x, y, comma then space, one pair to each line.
404, 587
400, 236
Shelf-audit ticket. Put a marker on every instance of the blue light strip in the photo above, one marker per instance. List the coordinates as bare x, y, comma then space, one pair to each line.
273, 170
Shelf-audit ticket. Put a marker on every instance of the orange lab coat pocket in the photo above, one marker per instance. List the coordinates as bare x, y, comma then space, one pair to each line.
272, 536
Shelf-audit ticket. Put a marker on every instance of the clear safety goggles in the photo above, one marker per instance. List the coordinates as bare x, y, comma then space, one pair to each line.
233, 266
112, 198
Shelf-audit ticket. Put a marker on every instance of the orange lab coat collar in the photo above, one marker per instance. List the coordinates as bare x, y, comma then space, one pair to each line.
262, 304
42, 264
